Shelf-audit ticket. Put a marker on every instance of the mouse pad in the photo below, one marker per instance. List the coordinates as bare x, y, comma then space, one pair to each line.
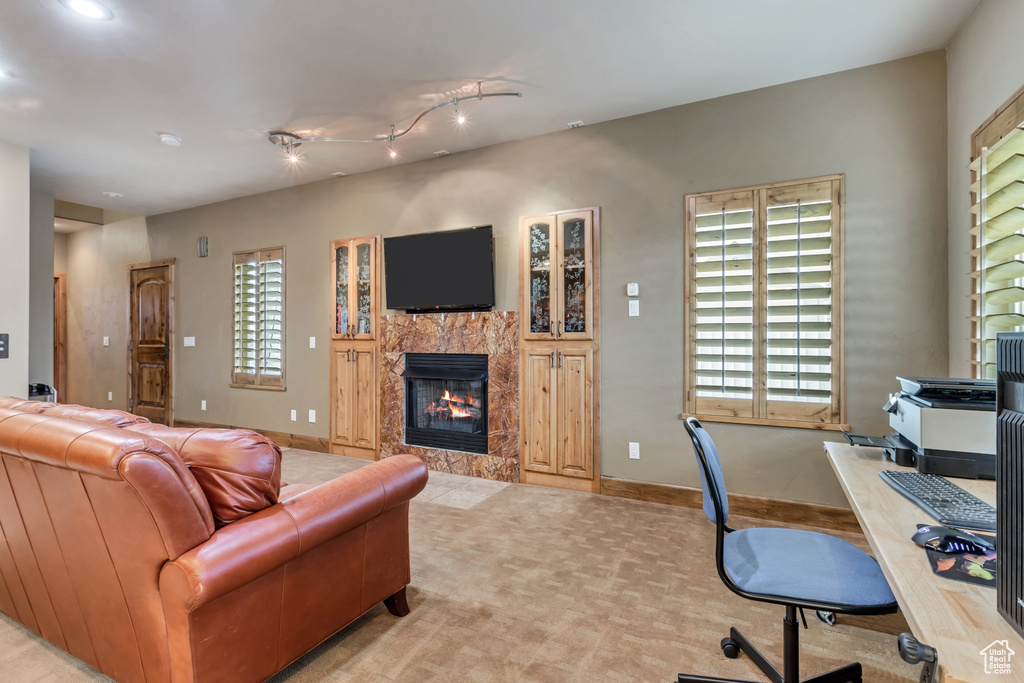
966, 567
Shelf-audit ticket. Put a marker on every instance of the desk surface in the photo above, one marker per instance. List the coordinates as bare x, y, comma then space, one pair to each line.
957, 619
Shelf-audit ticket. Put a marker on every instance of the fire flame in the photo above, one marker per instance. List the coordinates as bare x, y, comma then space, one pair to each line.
457, 406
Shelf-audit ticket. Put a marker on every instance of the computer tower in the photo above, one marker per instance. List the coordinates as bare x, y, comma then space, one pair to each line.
1010, 477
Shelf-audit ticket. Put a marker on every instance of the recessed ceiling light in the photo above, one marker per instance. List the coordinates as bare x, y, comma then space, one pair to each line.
170, 140
89, 8
441, 153
575, 124
339, 174
113, 195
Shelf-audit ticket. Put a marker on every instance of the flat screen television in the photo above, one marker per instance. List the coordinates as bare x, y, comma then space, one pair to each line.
440, 271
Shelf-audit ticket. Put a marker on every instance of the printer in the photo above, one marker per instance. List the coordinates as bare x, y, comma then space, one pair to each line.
942, 426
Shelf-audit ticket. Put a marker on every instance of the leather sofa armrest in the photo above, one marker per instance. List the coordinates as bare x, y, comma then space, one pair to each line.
258, 544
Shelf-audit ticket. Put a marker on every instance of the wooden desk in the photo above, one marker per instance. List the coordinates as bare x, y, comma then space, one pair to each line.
957, 619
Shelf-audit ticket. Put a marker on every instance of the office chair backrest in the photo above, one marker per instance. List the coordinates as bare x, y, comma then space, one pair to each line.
710, 468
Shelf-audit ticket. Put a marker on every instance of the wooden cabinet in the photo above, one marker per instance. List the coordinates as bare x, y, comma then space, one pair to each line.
558, 283
558, 411
354, 273
559, 316
354, 395
355, 295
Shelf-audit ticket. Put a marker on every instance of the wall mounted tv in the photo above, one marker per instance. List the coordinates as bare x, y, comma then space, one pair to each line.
440, 271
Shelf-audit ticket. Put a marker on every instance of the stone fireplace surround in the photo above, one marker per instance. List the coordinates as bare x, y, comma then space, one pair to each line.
497, 335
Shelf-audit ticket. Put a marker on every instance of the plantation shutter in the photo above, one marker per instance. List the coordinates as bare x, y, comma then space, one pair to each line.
271, 303
723, 322
259, 318
246, 270
765, 307
997, 235
800, 334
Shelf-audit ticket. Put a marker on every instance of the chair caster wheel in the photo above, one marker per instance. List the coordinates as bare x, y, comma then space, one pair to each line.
730, 649
826, 617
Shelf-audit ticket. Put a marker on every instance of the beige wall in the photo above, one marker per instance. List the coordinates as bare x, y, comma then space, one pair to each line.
883, 126
60, 252
983, 71
14, 267
40, 361
97, 300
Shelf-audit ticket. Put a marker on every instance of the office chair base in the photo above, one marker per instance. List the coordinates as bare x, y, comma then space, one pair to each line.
737, 642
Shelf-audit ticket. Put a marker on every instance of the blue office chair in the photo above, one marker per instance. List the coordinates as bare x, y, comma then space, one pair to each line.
791, 567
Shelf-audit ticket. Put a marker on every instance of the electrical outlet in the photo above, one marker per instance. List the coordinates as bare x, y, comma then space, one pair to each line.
312, 416
190, 341
106, 341
295, 415
110, 395
632, 289
634, 450
634, 308
202, 405
312, 342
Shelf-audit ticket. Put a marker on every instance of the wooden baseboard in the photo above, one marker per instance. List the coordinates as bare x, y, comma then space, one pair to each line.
785, 511
282, 439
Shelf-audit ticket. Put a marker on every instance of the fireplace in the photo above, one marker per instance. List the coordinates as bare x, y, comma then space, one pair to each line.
446, 401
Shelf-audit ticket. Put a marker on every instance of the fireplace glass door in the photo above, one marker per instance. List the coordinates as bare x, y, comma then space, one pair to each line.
446, 401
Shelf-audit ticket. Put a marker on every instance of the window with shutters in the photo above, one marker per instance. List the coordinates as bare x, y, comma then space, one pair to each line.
259, 319
997, 232
764, 338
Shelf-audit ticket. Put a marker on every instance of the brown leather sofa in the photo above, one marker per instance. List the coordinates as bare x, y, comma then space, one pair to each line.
111, 549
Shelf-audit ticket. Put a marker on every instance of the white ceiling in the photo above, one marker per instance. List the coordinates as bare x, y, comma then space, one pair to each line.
90, 97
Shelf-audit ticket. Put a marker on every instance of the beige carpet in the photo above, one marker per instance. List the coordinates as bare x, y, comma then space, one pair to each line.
522, 583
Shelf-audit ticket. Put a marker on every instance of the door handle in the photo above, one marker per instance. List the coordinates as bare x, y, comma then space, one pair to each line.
352, 330
559, 359
559, 328
348, 355
552, 359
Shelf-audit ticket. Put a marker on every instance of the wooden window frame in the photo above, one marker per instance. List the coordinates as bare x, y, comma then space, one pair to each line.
257, 380
837, 418
1003, 121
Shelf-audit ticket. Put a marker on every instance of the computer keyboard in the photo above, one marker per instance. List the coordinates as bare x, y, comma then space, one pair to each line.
942, 499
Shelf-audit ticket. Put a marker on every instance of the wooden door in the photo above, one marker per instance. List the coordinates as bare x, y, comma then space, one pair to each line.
150, 343
343, 396
575, 371
354, 277
575, 276
364, 408
538, 279
537, 425
60, 334
363, 292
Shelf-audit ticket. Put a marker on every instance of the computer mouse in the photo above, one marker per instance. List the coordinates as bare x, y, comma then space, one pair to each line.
947, 539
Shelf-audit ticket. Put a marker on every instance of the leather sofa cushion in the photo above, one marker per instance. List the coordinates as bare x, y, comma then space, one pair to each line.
23, 406
100, 416
238, 470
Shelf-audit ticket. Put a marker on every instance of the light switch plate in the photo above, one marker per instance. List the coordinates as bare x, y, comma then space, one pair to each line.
312, 416
633, 289
190, 341
634, 308
110, 395
295, 415
202, 405
312, 342
106, 341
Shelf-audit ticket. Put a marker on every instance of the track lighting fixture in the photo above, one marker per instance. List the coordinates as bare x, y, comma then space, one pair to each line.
289, 141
